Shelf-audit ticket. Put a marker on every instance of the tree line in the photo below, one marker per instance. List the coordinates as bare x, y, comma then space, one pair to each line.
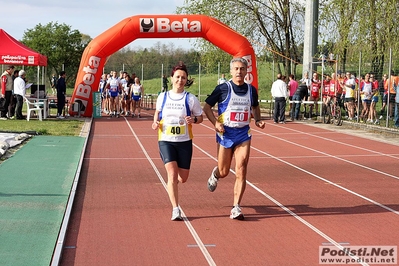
275, 28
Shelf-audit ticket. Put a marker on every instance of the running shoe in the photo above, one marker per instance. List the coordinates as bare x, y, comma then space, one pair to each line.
176, 215
212, 181
236, 213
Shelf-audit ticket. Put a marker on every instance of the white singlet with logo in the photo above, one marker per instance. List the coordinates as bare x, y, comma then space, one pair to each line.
136, 90
173, 126
235, 110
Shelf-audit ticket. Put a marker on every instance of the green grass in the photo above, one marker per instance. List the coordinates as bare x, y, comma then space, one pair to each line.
67, 127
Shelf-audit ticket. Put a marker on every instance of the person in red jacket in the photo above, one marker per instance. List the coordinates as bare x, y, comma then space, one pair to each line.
7, 85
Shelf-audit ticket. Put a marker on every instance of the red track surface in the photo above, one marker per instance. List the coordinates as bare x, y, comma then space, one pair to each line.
307, 186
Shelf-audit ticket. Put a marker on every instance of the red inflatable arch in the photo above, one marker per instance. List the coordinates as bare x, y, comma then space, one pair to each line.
154, 26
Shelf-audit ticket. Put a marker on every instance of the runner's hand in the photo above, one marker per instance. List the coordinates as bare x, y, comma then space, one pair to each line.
261, 124
219, 127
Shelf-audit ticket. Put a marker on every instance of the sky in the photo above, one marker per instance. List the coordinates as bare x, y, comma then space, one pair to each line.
91, 17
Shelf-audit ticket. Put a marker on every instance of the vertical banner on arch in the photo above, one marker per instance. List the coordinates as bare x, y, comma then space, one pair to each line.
96, 104
154, 26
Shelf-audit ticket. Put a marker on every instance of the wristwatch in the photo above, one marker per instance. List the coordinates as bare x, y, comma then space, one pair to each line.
195, 119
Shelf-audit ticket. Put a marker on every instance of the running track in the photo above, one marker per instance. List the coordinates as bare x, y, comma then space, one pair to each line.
307, 187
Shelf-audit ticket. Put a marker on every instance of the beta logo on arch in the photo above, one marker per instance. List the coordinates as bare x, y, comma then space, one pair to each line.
164, 25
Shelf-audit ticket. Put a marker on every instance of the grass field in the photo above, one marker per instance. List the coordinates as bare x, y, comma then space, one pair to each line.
54, 127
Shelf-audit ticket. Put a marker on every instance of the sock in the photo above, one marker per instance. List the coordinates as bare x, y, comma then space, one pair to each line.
176, 208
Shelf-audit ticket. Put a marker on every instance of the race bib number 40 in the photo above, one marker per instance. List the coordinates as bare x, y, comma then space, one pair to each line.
239, 116
175, 130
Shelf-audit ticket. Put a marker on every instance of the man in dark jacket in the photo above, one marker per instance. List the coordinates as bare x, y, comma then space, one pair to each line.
61, 94
299, 95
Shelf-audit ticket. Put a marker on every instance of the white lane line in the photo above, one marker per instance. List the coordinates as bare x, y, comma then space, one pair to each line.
309, 225
334, 156
341, 143
317, 176
329, 182
197, 239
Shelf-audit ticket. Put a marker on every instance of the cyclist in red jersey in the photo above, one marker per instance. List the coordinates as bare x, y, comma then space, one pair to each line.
326, 90
334, 86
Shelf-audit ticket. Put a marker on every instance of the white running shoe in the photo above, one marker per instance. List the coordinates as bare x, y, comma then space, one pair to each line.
176, 215
236, 213
212, 181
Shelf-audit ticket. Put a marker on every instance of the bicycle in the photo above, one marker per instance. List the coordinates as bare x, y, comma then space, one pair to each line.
332, 113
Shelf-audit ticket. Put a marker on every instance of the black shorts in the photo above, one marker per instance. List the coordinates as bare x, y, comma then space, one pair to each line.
180, 152
385, 98
392, 97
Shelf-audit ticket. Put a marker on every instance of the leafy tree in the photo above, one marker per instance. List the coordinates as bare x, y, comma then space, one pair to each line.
62, 46
361, 26
268, 25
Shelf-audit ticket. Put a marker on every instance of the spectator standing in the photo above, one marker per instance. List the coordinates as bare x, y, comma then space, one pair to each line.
349, 86
390, 85
307, 81
335, 92
19, 92
236, 99
7, 86
165, 82
314, 93
383, 94
280, 95
13, 100
366, 93
53, 84
326, 97
374, 100
222, 79
61, 94
396, 116
300, 94
292, 87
